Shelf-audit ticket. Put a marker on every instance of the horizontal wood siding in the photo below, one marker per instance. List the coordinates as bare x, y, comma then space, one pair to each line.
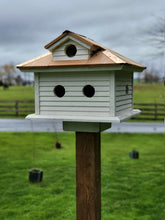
37, 104
74, 102
82, 52
123, 92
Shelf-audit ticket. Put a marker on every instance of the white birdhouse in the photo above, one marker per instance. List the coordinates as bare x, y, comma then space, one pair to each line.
79, 80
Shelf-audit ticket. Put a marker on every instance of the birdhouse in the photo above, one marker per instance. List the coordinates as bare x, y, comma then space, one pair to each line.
87, 86
79, 80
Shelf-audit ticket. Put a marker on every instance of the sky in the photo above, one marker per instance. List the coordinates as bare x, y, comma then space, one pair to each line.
121, 25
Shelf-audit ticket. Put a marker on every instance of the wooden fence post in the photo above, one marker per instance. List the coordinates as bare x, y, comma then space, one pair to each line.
155, 112
16, 108
88, 176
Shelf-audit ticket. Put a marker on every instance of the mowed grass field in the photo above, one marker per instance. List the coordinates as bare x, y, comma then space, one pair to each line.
143, 93
131, 189
149, 93
17, 93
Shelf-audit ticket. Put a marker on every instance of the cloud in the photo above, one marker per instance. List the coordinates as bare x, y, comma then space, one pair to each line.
26, 26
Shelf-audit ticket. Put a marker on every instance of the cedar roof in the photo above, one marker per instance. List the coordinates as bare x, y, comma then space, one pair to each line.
102, 57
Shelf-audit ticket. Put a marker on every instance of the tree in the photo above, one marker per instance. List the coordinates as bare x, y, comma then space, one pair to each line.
156, 36
1, 74
149, 77
8, 70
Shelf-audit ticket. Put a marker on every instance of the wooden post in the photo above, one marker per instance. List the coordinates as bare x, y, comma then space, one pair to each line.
16, 108
88, 176
155, 112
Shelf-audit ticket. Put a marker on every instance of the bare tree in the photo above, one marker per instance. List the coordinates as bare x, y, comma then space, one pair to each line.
8, 70
149, 77
156, 36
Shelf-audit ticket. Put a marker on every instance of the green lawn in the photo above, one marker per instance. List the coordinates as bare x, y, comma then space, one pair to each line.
131, 189
17, 93
149, 93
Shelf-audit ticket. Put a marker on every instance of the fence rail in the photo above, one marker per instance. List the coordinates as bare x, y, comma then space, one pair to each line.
16, 108
150, 111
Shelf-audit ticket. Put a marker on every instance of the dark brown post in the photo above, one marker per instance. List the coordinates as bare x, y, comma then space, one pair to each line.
16, 108
88, 176
155, 112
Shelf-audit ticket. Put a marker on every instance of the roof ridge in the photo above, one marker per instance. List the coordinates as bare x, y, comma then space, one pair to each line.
67, 31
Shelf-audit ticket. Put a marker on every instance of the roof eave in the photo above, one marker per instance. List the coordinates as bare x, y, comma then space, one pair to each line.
92, 67
69, 68
134, 68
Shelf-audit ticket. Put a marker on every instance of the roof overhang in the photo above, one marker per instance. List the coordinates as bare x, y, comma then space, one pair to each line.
97, 62
91, 68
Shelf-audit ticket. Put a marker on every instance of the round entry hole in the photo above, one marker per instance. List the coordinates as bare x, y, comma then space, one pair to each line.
89, 91
71, 50
59, 91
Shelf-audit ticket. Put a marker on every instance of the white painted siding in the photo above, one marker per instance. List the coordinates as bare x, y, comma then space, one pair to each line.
124, 98
37, 108
74, 102
59, 52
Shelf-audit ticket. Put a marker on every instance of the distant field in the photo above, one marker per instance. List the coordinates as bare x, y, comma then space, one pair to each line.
17, 93
149, 93
131, 189
145, 93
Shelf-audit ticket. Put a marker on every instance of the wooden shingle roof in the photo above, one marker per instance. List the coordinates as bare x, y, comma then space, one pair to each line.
101, 57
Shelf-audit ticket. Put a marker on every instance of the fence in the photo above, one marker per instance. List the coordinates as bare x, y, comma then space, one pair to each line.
16, 108
22, 108
150, 111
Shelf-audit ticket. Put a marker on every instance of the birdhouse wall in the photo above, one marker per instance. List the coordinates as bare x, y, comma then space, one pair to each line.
82, 53
123, 92
74, 102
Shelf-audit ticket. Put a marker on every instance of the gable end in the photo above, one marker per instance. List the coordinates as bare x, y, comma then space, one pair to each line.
71, 50
79, 47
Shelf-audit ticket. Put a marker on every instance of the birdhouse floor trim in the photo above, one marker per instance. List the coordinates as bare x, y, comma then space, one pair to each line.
85, 126
103, 119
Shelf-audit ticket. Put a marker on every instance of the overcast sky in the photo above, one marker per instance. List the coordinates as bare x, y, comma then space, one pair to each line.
27, 26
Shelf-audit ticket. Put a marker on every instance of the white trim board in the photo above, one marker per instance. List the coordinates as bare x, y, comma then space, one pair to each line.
103, 119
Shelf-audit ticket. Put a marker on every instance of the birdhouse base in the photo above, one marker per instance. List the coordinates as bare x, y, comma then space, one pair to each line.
98, 119
85, 126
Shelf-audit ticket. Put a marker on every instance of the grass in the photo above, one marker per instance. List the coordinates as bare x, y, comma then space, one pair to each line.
131, 189
152, 94
149, 93
17, 93
20, 93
